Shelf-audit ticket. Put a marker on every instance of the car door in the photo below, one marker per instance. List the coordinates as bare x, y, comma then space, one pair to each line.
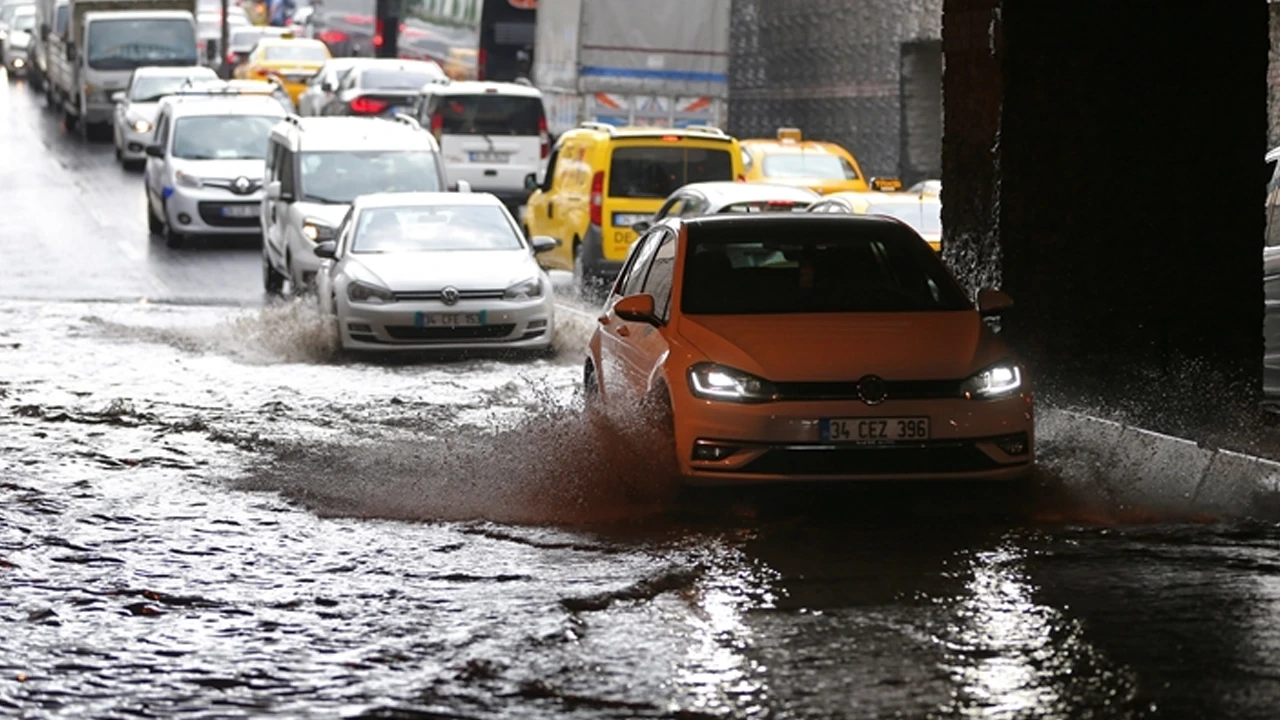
539, 215
617, 370
271, 173
330, 269
644, 348
280, 219
155, 166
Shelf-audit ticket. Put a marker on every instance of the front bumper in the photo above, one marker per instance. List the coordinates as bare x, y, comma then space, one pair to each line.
133, 144
515, 325
15, 60
192, 211
781, 441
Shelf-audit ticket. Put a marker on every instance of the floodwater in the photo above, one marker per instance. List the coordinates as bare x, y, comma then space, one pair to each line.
207, 513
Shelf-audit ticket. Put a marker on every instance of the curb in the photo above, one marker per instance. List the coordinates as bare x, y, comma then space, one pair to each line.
1135, 466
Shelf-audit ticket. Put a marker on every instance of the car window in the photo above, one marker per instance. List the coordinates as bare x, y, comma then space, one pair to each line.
434, 228
150, 88
549, 178
694, 206
285, 172
818, 164
162, 131
640, 268
60, 21
489, 114
412, 78
300, 52
771, 206
657, 171
769, 268
662, 274
226, 137
342, 175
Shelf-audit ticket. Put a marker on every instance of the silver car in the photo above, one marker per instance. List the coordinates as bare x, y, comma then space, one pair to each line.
435, 271
133, 122
19, 25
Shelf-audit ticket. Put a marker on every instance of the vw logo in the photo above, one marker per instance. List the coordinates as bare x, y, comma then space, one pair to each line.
449, 296
873, 389
242, 185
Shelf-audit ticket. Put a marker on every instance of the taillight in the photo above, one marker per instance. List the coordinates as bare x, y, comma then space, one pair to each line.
263, 72
377, 33
597, 199
482, 59
231, 58
544, 137
367, 106
437, 124
741, 178
332, 37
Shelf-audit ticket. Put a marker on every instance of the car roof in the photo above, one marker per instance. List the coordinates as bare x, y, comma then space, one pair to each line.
425, 199
790, 221
725, 191
318, 134
883, 198
482, 87
793, 147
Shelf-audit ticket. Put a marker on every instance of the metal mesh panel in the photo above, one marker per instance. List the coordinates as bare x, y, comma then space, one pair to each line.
829, 67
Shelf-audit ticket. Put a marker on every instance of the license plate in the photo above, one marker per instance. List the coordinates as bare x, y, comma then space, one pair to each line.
490, 157
241, 211
449, 319
875, 430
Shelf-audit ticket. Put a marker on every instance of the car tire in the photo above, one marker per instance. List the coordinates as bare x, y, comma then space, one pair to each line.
69, 121
154, 223
172, 239
272, 279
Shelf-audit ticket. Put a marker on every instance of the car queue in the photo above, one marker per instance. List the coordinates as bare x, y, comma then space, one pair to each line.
777, 337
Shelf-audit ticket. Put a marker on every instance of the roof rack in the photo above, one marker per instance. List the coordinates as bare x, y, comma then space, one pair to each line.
406, 120
710, 129
602, 127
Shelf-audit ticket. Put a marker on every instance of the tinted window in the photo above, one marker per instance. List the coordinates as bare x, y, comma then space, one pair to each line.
127, 44
640, 266
389, 79
152, 88
25, 21
763, 206
817, 268
490, 114
60, 20
227, 137
339, 177
821, 165
656, 172
661, 275
300, 52
434, 228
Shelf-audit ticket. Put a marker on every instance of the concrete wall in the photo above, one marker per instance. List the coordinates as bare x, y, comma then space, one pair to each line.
830, 67
1273, 78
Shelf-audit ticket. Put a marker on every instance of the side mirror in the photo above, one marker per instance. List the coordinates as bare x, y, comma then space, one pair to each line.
118, 97
327, 249
531, 182
642, 227
274, 190
461, 186
544, 243
155, 151
636, 308
993, 302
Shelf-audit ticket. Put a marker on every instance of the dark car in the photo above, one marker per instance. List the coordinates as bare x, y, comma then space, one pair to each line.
380, 87
711, 198
346, 26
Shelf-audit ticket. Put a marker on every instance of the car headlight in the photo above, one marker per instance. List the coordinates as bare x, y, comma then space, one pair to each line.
996, 381
710, 381
316, 231
141, 126
530, 288
3, 34
363, 292
187, 180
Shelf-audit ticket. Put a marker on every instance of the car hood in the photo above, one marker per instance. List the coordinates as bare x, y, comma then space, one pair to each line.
847, 346
330, 214
19, 39
464, 270
143, 111
222, 169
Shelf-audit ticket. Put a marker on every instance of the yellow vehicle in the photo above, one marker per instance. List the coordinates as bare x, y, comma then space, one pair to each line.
921, 210
791, 160
601, 180
292, 61
461, 63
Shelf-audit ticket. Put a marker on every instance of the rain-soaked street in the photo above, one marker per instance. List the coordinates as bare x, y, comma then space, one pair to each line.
204, 512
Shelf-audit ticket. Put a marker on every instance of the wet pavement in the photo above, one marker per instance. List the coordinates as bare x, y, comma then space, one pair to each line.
204, 512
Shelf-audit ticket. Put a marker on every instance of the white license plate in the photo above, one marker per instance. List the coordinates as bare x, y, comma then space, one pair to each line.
875, 430
449, 319
490, 157
241, 211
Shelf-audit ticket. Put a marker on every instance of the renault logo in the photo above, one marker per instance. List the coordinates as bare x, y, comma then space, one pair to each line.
242, 185
873, 389
449, 296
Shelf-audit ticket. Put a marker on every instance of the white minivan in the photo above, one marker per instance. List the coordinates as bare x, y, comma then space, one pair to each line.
492, 135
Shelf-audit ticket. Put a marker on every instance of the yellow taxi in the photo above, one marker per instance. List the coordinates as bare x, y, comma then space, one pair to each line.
291, 61
461, 63
602, 179
791, 160
922, 210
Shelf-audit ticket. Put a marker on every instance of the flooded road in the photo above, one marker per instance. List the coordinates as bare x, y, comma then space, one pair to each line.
204, 512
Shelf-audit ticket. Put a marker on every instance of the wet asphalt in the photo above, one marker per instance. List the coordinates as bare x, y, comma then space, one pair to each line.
206, 513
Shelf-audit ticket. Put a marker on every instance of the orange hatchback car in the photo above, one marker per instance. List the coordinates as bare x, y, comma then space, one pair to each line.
810, 347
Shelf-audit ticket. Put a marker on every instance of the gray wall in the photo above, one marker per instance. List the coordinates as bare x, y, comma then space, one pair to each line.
834, 68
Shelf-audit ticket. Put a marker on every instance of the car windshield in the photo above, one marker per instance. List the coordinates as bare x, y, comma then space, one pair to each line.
817, 268
491, 114
128, 44
223, 137
24, 21
924, 216
396, 79
431, 228
300, 52
817, 165
152, 88
341, 176
656, 171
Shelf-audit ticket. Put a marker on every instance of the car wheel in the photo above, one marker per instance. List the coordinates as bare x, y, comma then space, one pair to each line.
171, 238
272, 280
119, 157
153, 221
69, 121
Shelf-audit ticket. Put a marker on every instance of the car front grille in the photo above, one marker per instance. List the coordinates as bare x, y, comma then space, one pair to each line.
916, 459
409, 333
894, 390
211, 213
462, 295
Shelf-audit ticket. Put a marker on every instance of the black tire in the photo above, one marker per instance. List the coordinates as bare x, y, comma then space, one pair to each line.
272, 279
590, 385
154, 224
69, 121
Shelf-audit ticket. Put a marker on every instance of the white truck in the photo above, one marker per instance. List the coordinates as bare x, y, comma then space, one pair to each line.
103, 41
51, 16
655, 63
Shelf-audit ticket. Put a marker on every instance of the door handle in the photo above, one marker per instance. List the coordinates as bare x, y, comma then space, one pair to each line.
551, 209
624, 331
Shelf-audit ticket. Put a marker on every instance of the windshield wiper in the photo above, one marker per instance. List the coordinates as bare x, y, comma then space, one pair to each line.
324, 200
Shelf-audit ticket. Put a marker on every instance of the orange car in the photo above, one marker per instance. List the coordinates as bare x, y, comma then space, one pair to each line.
810, 347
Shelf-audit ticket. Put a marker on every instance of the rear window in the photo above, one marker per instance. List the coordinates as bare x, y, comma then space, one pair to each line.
491, 114
820, 165
395, 79
924, 216
658, 171
764, 206
773, 268
302, 53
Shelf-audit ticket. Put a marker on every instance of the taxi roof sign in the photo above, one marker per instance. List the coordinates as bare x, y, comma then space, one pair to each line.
790, 134
880, 184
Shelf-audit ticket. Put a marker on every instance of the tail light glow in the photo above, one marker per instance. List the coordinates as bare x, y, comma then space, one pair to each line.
597, 199
670, 138
377, 33
544, 137
332, 37
437, 124
482, 59
367, 106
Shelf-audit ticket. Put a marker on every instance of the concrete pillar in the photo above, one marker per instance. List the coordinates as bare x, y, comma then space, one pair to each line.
1102, 163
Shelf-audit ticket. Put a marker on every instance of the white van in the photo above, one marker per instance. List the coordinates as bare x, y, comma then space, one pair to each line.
492, 135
